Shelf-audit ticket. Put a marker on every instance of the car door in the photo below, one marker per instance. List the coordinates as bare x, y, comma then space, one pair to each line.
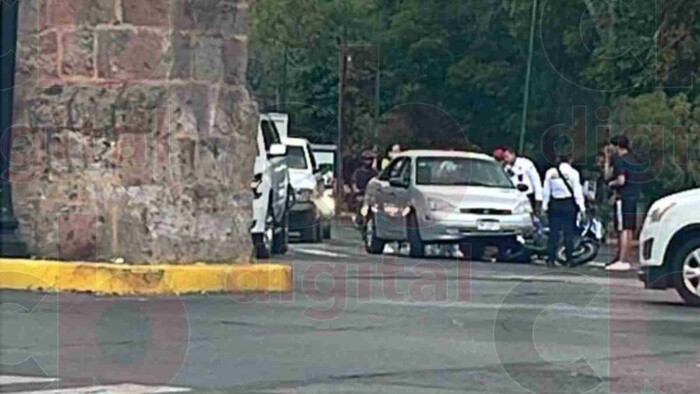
389, 207
278, 169
399, 194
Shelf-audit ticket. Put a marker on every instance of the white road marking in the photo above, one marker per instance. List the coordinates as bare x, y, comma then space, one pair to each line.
10, 379
18, 383
318, 252
113, 389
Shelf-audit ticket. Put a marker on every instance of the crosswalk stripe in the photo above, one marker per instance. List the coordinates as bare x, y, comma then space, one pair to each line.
112, 389
43, 385
6, 380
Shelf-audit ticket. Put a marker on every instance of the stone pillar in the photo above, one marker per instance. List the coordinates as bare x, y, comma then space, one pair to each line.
135, 130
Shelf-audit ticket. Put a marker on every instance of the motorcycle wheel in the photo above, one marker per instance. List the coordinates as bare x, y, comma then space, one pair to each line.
586, 251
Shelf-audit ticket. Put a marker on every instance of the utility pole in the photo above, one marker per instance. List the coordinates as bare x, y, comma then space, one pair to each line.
528, 75
342, 64
10, 245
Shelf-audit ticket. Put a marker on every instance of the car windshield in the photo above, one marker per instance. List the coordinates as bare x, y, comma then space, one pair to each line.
296, 159
459, 171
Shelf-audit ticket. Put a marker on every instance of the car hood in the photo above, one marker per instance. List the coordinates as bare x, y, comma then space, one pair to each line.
301, 179
471, 197
688, 197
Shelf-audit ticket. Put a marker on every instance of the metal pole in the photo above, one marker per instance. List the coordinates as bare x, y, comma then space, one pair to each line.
342, 64
10, 246
528, 74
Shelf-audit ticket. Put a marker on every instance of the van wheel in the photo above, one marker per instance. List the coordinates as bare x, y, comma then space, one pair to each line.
686, 271
373, 245
263, 242
280, 240
326, 231
416, 245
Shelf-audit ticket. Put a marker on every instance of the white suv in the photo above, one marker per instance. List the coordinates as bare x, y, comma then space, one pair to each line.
670, 246
311, 213
270, 227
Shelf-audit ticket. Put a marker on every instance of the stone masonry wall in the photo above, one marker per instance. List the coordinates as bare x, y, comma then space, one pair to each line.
135, 130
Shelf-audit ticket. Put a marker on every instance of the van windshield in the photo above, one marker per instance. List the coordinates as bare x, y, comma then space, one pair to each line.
296, 159
459, 171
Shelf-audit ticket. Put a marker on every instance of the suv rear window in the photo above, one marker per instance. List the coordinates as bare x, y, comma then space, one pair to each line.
270, 134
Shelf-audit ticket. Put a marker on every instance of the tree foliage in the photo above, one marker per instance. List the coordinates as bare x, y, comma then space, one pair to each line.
452, 71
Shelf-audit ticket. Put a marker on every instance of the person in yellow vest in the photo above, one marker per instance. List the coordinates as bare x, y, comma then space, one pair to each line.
390, 154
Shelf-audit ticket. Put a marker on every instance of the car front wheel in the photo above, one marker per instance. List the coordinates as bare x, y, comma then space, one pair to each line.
373, 245
686, 271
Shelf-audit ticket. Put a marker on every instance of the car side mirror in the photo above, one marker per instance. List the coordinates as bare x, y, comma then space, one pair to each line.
398, 182
277, 150
522, 187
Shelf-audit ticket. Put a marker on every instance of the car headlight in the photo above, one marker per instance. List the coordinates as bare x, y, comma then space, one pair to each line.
522, 208
437, 205
304, 195
660, 211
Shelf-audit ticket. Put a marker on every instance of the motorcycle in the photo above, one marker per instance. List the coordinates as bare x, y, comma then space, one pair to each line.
586, 244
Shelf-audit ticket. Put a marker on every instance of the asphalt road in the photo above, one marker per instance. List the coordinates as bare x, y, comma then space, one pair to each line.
362, 324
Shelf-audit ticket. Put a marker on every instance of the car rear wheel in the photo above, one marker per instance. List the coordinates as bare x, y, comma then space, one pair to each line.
416, 245
686, 271
373, 245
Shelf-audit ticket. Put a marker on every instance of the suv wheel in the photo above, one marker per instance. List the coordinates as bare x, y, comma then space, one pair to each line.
416, 245
373, 245
686, 271
280, 239
263, 242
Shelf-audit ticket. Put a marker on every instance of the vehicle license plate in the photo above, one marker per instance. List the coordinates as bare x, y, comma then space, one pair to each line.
488, 225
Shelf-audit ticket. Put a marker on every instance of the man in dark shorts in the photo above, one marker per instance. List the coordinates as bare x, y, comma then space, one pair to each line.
626, 188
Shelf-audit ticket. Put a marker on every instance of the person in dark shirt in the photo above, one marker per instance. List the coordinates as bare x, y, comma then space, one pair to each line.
626, 187
362, 175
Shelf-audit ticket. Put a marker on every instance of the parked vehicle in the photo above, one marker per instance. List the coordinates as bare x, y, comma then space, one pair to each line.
281, 121
311, 213
327, 159
270, 185
586, 244
444, 197
670, 246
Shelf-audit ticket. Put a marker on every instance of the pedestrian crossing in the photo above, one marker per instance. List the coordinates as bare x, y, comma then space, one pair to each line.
42, 385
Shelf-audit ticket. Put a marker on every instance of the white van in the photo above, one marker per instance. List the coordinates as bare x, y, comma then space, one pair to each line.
312, 211
670, 246
270, 227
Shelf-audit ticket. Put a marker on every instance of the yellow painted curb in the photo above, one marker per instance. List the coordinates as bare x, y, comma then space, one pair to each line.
46, 275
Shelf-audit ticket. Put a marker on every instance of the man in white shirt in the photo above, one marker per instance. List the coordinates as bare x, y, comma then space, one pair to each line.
563, 201
522, 171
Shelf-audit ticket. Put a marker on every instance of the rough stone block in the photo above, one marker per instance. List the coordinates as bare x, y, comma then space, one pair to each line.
133, 160
78, 53
235, 57
126, 54
181, 53
47, 61
208, 60
188, 110
213, 16
79, 12
146, 12
78, 236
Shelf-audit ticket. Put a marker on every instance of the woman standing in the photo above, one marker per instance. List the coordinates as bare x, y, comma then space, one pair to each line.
563, 201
